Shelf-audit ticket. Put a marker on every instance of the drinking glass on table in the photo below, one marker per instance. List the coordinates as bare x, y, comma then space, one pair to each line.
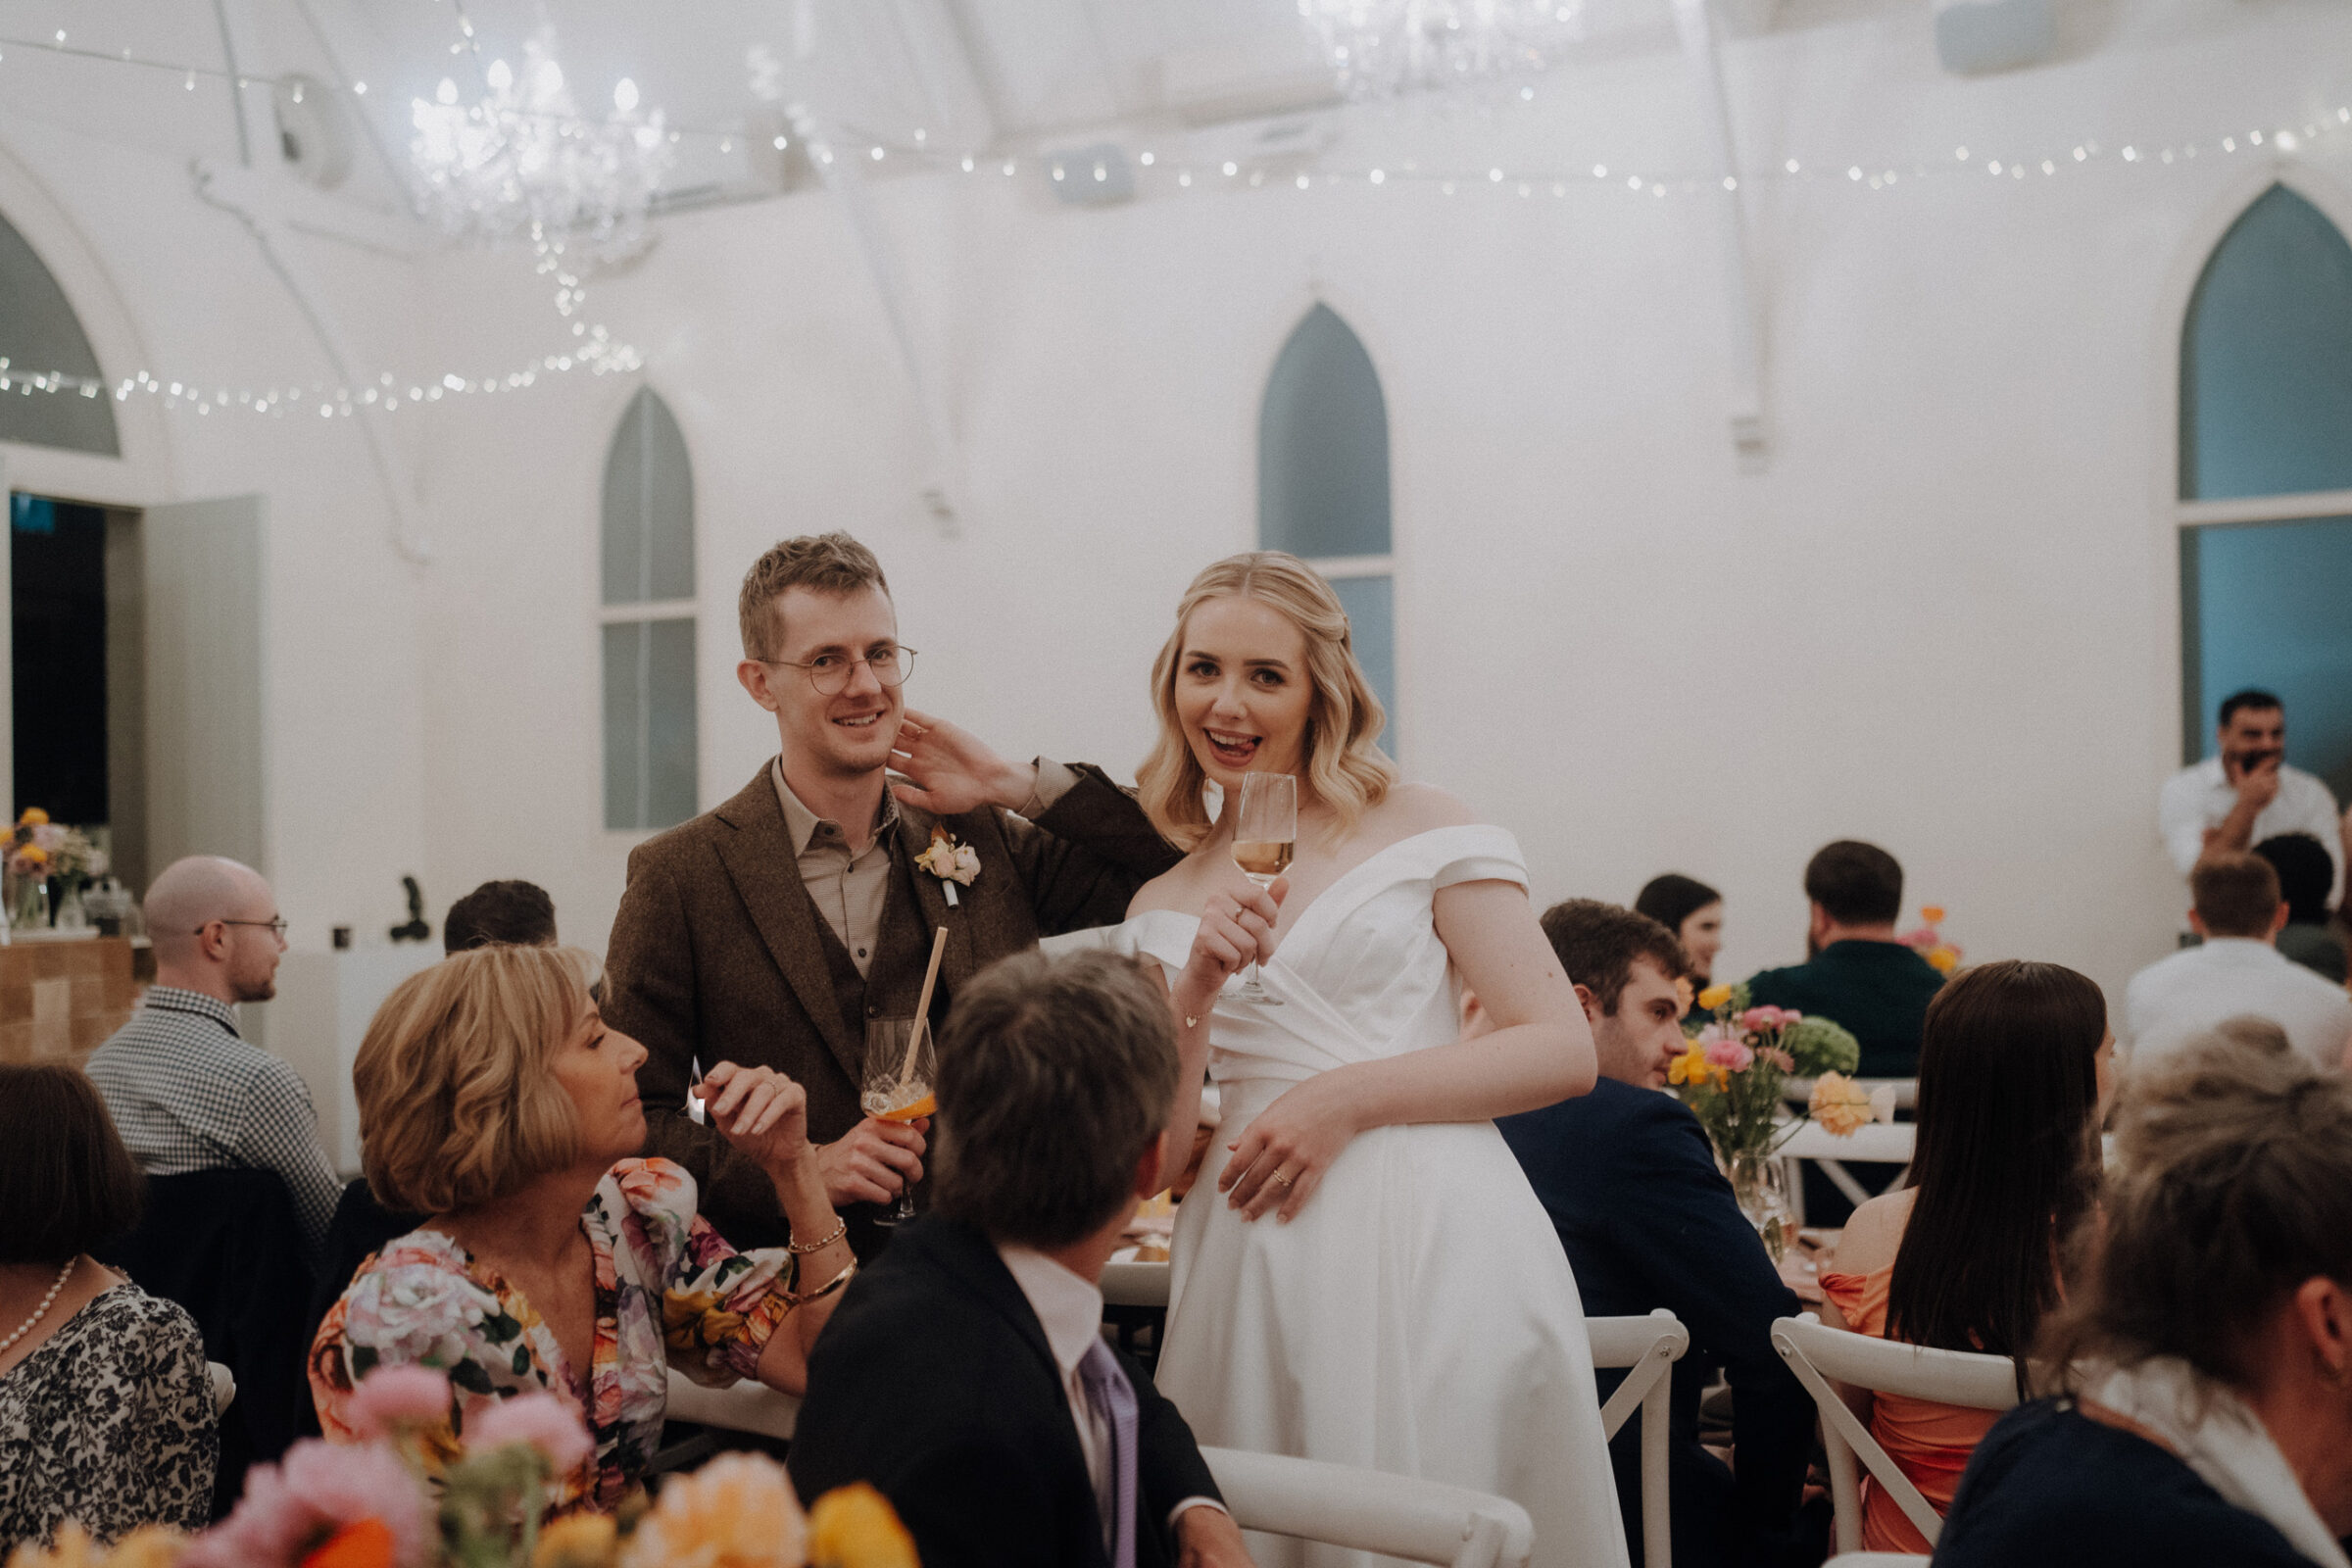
897, 1088
1264, 832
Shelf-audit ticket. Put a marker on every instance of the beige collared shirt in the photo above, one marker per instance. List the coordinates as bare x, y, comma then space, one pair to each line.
850, 890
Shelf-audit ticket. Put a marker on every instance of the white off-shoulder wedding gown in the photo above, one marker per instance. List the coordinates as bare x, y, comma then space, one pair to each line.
1419, 1315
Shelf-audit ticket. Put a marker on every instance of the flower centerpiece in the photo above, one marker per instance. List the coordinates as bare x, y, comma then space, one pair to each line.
45, 857
372, 1505
1928, 941
1732, 1076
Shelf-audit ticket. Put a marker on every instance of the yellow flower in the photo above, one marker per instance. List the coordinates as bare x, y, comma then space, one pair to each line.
33, 816
148, 1547
855, 1526
1839, 1103
1682, 996
1690, 1068
1715, 996
33, 855
1944, 956
738, 1512
577, 1541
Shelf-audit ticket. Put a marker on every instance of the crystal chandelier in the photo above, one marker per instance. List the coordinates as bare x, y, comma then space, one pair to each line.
524, 161
1383, 47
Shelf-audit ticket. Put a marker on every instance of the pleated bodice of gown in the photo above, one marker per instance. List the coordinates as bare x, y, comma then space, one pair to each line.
1419, 1315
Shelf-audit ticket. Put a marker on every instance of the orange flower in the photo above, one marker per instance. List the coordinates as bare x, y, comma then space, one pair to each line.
855, 1526
577, 1541
1683, 996
1944, 956
33, 816
367, 1543
33, 855
738, 1512
1839, 1103
1933, 915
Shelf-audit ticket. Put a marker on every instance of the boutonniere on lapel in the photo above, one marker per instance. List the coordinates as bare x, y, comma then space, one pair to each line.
951, 863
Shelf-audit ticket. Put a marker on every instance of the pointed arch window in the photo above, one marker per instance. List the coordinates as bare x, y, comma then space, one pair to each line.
648, 614
1323, 483
40, 341
2266, 481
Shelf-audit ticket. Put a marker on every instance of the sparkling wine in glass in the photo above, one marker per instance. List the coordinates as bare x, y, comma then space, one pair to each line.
1264, 832
895, 1091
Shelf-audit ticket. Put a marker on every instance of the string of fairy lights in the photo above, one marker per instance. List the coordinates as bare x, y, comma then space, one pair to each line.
1154, 172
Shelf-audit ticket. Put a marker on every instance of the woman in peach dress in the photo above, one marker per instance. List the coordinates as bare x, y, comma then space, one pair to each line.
2016, 1067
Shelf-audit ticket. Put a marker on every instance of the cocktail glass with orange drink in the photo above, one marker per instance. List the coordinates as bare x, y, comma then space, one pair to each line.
898, 1088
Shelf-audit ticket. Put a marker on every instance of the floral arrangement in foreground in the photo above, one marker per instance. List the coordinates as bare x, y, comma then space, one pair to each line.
1929, 941
371, 1505
40, 849
1733, 1076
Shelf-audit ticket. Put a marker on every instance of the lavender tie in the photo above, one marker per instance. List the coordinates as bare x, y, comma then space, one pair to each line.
1114, 1398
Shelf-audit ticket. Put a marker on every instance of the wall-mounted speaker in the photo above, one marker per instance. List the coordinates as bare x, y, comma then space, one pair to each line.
314, 135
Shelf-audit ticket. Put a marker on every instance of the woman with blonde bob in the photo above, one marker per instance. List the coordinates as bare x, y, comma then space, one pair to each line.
493, 1097
1377, 1284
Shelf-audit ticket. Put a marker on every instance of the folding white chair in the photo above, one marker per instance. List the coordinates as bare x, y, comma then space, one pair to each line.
747, 1405
225, 1387
1135, 1285
1650, 1346
1817, 1354
1372, 1510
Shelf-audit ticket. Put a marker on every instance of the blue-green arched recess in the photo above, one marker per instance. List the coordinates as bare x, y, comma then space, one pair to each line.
40, 336
2266, 358
2266, 408
651, 774
1323, 480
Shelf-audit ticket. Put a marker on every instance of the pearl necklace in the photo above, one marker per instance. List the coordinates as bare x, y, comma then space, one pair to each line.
42, 1311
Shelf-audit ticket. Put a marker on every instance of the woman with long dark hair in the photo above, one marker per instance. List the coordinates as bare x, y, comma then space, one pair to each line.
2016, 1064
1693, 911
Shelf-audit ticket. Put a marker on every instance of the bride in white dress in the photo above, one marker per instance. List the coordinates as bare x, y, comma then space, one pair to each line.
1362, 1274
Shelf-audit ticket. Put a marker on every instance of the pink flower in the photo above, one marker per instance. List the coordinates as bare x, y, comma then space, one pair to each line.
541, 1420
1763, 1020
1725, 1052
391, 1397
1922, 939
319, 1488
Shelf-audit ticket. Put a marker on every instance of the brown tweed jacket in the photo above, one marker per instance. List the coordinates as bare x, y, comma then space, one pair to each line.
718, 952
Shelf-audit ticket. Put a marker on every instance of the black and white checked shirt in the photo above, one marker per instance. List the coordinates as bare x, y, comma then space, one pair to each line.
188, 1094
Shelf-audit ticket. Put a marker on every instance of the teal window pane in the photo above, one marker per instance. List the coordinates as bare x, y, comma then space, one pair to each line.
1323, 446
649, 727
2267, 606
40, 335
2266, 358
648, 537
1370, 603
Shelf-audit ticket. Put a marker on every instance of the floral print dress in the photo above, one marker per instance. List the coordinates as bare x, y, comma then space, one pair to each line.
670, 1292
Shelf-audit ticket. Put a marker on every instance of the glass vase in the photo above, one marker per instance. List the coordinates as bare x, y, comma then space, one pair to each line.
29, 910
70, 914
1761, 1191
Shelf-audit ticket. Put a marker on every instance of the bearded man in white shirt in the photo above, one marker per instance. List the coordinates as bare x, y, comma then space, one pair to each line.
2247, 793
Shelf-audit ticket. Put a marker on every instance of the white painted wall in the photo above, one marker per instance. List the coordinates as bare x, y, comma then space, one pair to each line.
1942, 617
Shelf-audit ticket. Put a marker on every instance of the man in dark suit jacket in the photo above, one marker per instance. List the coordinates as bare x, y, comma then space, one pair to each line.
964, 1374
770, 931
1648, 1221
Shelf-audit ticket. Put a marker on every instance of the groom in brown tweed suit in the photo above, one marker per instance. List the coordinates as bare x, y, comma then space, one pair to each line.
768, 931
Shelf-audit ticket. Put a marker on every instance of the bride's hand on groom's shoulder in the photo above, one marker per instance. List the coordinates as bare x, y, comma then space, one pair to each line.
1234, 932
949, 771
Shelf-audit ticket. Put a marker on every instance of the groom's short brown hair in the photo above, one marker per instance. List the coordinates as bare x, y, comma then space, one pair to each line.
829, 562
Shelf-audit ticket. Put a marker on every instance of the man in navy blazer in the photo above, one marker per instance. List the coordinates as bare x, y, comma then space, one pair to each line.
964, 1374
1648, 1221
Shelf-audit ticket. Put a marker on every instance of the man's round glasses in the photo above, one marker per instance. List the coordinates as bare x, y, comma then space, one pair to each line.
830, 673
276, 927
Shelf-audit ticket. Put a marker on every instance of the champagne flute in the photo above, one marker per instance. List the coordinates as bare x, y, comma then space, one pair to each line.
897, 1089
1264, 832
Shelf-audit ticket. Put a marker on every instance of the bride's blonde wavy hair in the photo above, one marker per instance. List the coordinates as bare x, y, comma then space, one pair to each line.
1344, 766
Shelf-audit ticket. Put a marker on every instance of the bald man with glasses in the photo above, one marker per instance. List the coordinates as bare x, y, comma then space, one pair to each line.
185, 1088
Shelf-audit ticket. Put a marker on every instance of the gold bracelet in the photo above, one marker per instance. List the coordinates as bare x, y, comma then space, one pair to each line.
824, 1289
840, 1229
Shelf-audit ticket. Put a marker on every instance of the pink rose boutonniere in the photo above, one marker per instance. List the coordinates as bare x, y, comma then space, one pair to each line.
954, 864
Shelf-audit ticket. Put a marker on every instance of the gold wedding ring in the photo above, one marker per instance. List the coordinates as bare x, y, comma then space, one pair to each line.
1280, 1179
